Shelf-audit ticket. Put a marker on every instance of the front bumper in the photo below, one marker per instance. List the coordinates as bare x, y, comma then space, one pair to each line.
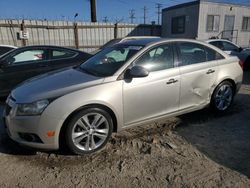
35, 126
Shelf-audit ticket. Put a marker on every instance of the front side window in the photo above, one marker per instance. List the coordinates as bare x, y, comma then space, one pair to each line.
109, 60
178, 25
27, 56
156, 59
60, 54
246, 24
213, 22
193, 53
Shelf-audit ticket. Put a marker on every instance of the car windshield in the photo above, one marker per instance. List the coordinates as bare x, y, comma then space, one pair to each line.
109, 60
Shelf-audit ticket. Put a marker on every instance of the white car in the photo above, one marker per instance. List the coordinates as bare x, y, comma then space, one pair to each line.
129, 84
233, 49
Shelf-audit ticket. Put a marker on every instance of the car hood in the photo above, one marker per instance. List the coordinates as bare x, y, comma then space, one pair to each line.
53, 84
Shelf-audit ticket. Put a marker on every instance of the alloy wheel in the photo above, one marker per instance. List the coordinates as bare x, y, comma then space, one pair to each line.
223, 97
90, 131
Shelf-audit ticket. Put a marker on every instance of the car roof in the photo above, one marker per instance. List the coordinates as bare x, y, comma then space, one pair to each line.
9, 46
51, 46
221, 40
140, 41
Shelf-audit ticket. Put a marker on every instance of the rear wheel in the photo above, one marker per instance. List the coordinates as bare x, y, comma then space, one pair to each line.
222, 97
89, 131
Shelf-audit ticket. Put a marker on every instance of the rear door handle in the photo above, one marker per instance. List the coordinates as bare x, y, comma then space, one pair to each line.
171, 81
210, 71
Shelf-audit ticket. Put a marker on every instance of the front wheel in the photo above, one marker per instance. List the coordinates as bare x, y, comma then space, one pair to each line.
89, 131
222, 97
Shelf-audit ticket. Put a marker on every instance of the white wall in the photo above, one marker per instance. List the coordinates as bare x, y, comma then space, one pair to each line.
208, 8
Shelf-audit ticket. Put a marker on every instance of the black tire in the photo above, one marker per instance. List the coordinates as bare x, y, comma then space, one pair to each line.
74, 147
214, 102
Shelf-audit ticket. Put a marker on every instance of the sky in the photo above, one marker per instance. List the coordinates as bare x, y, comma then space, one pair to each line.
114, 10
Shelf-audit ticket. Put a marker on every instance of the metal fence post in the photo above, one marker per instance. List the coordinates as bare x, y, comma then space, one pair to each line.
23, 30
76, 35
115, 30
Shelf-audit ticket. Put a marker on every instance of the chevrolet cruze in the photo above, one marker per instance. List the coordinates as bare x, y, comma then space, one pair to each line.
129, 84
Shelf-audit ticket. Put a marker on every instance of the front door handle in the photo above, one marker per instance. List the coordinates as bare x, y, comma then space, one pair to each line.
172, 81
210, 71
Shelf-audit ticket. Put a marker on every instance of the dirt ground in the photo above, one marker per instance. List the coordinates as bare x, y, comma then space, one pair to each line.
200, 149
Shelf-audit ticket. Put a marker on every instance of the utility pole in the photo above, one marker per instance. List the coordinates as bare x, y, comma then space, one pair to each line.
144, 14
132, 15
93, 10
105, 19
158, 7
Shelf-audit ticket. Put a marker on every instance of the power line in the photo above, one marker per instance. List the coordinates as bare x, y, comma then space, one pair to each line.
132, 15
158, 7
105, 19
144, 14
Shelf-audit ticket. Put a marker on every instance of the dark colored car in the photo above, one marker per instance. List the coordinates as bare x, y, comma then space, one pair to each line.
26, 62
6, 48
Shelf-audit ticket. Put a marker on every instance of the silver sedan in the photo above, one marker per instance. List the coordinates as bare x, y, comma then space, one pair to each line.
132, 83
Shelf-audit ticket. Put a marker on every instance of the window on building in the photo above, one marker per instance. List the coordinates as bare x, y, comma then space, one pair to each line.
213, 22
246, 24
178, 25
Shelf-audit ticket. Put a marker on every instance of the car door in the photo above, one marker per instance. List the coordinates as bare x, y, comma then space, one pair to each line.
198, 69
21, 65
158, 93
60, 58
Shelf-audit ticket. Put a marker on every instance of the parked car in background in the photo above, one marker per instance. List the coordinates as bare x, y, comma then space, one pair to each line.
26, 62
128, 84
6, 48
119, 40
233, 49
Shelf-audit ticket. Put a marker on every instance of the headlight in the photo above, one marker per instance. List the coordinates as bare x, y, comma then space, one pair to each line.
32, 109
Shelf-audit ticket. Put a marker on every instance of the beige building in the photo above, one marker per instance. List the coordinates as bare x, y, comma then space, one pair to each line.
205, 19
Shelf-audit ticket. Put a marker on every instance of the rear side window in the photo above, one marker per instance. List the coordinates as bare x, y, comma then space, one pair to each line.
229, 47
4, 50
28, 56
193, 53
61, 54
218, 44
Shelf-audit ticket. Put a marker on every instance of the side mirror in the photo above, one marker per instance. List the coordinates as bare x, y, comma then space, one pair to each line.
138, 72
240, 49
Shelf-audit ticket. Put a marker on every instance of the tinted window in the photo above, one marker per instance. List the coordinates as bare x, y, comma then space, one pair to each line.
156, 59
212, 55
26, 56
4, 50
218, 44
192, 53
229, 47
60, 54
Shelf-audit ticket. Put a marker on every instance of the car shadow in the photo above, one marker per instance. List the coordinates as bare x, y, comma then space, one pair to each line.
223, 138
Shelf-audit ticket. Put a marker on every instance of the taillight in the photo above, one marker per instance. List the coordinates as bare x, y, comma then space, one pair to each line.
241, 64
